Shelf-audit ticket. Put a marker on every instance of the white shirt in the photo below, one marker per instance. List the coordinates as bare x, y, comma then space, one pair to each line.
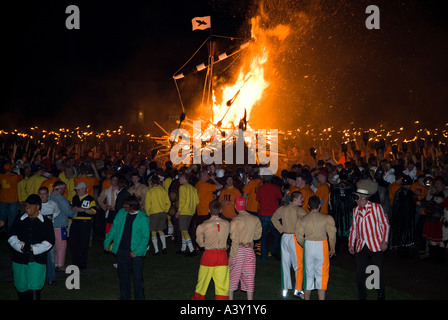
412, 173
50, 209
389, 176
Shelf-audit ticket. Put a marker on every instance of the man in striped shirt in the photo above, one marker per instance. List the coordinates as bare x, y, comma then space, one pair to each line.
369, 235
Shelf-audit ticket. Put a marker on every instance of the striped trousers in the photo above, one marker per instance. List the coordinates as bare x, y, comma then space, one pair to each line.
317, 264
292, 256
242, 270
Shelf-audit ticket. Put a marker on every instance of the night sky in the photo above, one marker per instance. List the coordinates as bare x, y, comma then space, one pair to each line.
331, 71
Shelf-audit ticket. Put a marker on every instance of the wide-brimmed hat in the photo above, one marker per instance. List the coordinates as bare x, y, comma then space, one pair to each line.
366, 187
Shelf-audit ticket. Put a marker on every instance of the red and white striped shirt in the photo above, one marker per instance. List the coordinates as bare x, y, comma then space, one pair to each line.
370, 227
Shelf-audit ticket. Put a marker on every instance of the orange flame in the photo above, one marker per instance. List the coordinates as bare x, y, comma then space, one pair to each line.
243, 95
247, 91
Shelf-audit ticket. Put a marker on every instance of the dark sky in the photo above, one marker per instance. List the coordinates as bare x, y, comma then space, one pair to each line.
126, 52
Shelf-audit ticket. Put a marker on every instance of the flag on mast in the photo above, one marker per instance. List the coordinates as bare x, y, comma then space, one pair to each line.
201, 23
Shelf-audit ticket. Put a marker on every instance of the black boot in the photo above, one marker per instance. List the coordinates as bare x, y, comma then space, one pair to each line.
440, 254
24, 295
437, 253
35, 294
432, 252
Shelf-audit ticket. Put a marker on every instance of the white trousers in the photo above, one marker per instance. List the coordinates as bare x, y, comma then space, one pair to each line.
292, 255
317, 265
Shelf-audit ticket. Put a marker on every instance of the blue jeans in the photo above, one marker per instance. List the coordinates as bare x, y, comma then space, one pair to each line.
130, 270
8, 211
267, 227
51, 272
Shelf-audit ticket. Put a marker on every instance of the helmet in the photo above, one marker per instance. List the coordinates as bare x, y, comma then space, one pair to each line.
343, 174
378, 175
429, 181
407, 180
354, 175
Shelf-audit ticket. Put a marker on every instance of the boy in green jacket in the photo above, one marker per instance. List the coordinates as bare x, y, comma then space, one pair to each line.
130, 236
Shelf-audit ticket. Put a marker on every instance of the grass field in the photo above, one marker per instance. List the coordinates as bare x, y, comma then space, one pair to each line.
172, 277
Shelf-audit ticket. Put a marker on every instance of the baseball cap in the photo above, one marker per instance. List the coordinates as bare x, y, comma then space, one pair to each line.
81, 185
323, 172
240, 203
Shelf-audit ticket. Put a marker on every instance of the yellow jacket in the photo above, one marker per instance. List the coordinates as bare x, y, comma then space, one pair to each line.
33, 184
188, 199
157, 200
167, 183
21, 189
69, 186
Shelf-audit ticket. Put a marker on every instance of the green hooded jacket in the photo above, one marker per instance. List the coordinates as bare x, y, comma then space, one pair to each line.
140, 233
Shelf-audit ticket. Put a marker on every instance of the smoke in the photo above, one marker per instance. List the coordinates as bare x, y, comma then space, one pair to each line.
327, 69
287, 28
324, 69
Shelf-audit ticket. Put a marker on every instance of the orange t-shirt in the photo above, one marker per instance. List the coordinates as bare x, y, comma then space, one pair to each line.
106, 184
323, 192
90, 182
292, 189
251, 190
49, 183
229, 194
306, 193
8, 187
205, 192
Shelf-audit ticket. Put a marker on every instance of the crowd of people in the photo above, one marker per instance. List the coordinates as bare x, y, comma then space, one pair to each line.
136, 203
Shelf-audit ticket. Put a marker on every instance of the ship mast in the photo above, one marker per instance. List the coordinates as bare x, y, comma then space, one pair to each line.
211, 47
